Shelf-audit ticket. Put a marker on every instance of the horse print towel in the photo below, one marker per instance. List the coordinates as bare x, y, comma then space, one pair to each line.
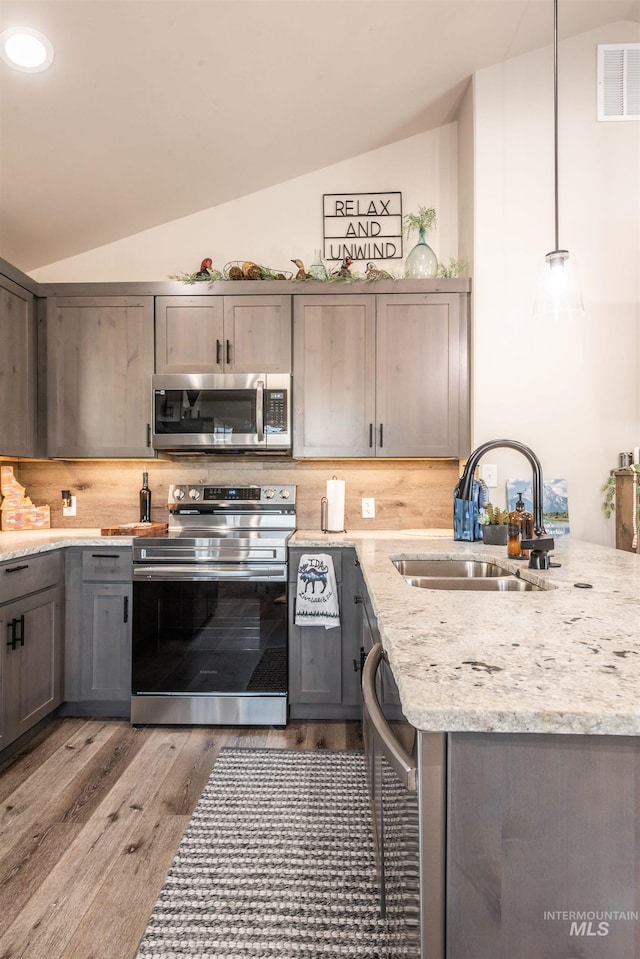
316, 592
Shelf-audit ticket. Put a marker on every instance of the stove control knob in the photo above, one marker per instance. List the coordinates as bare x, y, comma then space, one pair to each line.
269, 493
284, 494
178, 494
194, 493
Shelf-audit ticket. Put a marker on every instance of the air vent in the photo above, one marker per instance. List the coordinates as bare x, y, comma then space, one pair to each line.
619, 81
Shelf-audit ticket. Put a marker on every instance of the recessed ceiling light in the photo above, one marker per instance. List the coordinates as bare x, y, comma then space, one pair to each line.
25, 49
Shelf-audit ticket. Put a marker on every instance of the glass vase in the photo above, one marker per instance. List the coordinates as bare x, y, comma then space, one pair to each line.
421, 263
317, 269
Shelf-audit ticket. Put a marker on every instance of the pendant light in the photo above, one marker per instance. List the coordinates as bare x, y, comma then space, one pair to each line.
559, 293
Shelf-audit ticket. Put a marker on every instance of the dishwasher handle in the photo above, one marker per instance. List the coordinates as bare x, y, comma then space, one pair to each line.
403, 764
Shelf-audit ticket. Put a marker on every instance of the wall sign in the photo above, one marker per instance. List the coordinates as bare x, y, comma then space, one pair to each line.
362, 226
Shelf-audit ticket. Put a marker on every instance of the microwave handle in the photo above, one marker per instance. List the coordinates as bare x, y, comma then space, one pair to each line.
260, 410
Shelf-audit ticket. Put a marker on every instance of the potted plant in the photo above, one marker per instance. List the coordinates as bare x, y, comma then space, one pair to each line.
421, 262
494, 525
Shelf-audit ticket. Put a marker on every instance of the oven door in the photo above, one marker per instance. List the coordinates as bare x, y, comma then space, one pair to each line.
209, 645
220, 411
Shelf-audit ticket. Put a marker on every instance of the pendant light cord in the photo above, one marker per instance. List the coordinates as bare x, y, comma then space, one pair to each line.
555, 117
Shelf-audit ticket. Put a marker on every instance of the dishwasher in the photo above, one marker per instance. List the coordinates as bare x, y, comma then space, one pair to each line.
406, 778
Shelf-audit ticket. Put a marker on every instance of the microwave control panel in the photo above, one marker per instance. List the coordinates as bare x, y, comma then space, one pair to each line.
275, 411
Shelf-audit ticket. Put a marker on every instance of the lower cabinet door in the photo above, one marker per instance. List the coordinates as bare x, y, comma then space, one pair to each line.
32, 680
106, 647
315, 664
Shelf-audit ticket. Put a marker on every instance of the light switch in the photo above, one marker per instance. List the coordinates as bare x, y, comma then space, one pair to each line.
489, 473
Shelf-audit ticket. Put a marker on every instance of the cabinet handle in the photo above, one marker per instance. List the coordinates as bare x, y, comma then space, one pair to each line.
370, 435
15, 569
105, 556
218, 352
358, 599
148, 434
15, 636
228, 352
356, 666
126, 610
381, 443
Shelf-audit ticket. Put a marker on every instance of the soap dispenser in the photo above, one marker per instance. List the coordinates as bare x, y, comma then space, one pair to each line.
520, 527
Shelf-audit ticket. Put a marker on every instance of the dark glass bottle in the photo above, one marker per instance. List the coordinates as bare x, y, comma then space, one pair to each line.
520, 527
145, 500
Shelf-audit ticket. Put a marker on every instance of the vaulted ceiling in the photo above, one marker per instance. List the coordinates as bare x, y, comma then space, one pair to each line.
155, 109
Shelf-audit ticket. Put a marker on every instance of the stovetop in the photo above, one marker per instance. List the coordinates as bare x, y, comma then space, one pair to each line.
222, 522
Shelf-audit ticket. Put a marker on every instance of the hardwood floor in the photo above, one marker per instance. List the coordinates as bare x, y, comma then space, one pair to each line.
91, 815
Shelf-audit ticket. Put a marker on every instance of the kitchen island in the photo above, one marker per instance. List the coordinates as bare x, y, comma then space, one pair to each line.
528, 718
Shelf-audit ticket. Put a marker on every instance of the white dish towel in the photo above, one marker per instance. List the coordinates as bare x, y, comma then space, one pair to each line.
316, 592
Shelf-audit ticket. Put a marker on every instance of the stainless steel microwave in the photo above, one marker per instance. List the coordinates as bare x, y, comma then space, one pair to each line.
221, 412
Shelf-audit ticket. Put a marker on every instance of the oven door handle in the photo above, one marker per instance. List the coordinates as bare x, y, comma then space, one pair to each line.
260, 410
195, 571
403, 764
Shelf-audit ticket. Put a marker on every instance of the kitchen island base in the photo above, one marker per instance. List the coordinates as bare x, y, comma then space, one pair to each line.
542, 846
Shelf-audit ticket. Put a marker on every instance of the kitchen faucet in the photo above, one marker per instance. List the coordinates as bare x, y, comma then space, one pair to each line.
541, 544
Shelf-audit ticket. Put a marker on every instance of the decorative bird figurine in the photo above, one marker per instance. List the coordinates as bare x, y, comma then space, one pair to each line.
375, 273
302, 273
205, 269
343, 269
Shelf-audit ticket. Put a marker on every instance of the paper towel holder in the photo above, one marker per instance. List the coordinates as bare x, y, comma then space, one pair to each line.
324, 517
324, 512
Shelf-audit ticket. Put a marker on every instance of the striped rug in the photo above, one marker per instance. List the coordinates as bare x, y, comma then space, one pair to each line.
277, 861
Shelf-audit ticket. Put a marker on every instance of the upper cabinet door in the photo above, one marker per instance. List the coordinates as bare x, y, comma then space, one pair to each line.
17, 371
422, 375
99, 367
334, 376
189, 334
257, 334
230, 334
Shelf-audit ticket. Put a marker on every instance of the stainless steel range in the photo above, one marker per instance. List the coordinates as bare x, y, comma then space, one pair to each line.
210, 609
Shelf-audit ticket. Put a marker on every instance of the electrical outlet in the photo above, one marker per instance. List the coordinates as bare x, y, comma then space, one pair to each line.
489, 473
368, 507
70, 510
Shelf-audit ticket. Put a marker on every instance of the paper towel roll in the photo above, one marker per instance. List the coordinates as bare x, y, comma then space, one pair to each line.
335, 505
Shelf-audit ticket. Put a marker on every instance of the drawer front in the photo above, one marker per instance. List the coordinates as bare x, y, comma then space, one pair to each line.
29, 574
107, 564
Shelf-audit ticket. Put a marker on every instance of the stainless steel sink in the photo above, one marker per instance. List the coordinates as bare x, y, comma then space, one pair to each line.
464, 568
468, 574
487, 584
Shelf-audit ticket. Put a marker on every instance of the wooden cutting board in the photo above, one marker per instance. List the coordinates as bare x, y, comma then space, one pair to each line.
135, 529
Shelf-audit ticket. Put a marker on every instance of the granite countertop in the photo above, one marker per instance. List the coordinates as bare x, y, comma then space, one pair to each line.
32, 542
566, 660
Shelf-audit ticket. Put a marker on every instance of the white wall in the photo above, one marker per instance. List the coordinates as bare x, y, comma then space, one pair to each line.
273, 226
569, 391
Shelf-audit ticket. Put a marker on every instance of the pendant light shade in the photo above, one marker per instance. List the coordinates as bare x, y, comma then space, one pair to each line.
558, 293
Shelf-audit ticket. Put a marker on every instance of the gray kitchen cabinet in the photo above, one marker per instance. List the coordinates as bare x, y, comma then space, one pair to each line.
31, 604
324, 664
17, 370
381, 375
98, 636
99, 367
216, 334
334, 375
